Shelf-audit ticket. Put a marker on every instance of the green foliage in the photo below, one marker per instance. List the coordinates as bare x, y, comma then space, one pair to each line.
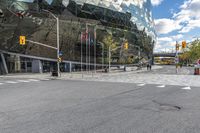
109, 42
192, 54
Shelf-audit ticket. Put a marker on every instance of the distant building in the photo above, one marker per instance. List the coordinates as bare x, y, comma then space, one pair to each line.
83, 24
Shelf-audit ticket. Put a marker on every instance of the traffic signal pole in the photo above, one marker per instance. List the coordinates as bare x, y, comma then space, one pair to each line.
58, 47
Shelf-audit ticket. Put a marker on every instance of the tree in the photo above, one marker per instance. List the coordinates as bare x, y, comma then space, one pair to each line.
192, 54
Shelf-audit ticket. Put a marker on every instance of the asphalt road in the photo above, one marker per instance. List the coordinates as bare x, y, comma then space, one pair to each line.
59, 106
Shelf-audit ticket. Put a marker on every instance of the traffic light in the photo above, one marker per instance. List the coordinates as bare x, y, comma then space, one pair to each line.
184, 44
177, 47
59, 59
126, 45
22, 40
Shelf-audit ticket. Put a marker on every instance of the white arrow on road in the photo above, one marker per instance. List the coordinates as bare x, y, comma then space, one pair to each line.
161, 86
187, 88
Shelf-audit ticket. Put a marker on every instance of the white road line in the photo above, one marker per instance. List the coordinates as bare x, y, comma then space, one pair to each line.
11, 82
1, 83
34, 80
23, 81
45, 79
141, 84
161, 86
186, 88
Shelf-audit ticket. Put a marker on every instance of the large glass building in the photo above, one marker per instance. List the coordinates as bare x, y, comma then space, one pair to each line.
87, 29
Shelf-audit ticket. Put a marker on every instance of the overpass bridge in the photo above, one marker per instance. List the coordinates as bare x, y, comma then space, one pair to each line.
165, 54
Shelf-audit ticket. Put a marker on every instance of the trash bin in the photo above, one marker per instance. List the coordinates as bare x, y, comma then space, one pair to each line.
196, 71
54, 74
106, 70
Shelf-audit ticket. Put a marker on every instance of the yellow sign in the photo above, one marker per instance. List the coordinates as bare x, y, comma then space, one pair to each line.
22, 40
184, 44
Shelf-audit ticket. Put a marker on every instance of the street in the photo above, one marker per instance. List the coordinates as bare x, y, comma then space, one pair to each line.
74, 106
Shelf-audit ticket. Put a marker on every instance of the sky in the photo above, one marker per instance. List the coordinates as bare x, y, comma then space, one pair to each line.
175, 20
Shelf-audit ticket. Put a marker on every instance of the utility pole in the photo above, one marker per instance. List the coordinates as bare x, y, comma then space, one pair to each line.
58, 41
109, 54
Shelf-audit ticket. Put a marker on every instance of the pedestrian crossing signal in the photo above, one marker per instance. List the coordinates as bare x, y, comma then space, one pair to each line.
22, 40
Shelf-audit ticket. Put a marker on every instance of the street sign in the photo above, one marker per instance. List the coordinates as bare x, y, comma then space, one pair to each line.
60, 53
22, 40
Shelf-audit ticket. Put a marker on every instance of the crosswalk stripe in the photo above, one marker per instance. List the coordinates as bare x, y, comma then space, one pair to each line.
161, 86
24, 81
187, 88
34, 80
45, 79
11, 82
141, 84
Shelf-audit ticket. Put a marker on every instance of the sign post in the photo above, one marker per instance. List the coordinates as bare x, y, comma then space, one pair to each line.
176, 58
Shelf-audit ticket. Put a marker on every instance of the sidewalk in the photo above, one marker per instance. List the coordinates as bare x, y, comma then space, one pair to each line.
74, 75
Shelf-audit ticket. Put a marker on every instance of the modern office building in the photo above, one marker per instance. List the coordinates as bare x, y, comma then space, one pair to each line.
87, 29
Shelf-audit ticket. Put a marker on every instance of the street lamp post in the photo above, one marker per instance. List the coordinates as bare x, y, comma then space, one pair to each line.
58, 41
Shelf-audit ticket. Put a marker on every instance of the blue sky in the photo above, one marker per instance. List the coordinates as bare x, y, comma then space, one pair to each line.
175, 20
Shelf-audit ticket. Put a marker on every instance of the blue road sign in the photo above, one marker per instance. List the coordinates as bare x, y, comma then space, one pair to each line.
60, 53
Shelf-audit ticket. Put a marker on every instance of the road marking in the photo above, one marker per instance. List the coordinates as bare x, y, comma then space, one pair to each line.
11, 82
187, 88
24, 81
161, 86
1, 83
45, 79
34, 80
141, 84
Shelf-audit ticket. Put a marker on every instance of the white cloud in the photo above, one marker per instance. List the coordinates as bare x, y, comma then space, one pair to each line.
187, 19
184, 21
189, 16
168, 42
164, 39
165, 26
156, 2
